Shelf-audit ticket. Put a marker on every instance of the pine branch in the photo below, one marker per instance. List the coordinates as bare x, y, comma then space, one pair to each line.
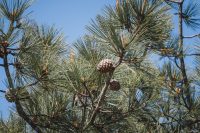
176, 63
102, 94
193, 36
175, 1
2, 91
19, 107
192, 54
101, 97
84, 112
17, 102
89, 93
181, 58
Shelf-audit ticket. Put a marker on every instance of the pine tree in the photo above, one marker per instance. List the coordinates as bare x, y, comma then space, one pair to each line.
106, 82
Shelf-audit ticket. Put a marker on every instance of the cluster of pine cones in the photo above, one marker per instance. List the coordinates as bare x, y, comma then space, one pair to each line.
104, 66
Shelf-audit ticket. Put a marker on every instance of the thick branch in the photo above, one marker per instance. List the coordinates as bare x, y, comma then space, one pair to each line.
19, 107
6, 68
101, 97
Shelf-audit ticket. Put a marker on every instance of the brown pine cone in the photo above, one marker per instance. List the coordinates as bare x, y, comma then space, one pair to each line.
114, 85
106, 65
4, 43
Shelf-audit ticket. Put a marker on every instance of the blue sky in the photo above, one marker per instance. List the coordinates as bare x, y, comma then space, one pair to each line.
69, 16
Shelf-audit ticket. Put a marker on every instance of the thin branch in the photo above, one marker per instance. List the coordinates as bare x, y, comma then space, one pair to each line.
32, 84
2, 91
136, 59
176, 63
181, 58
120, 59
101, 97
102, 94
184, 101
14, 49
2, 32
84, 112
73, 101
89, 93
192, 54
175, 1
193, 36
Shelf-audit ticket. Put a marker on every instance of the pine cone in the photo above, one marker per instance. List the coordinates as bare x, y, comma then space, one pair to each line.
105, 66
18, 65
114, 85
10, 95
4, 43
3, 52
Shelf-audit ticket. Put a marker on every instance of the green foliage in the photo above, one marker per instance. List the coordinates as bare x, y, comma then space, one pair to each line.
14, 124
66, 93
13, 10
191, 15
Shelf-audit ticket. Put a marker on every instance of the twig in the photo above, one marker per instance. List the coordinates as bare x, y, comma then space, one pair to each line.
84, 112
175, 1
192, 55
101, 96
193, 36
120, 59
89, 93
176, 63
13, 49
2, 91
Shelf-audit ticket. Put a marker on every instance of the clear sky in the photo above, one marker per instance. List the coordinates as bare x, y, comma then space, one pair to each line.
70, 16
